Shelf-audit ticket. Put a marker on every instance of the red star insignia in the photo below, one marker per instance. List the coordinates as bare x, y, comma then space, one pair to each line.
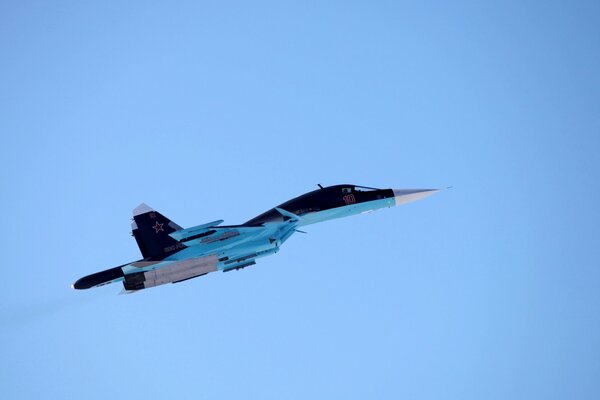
158, 227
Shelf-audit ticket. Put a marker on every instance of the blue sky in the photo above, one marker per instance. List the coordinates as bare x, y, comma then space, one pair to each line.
209, 110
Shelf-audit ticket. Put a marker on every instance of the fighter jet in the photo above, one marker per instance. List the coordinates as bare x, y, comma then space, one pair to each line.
172, 254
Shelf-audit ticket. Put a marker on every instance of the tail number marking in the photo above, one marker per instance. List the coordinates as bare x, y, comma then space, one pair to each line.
349, 199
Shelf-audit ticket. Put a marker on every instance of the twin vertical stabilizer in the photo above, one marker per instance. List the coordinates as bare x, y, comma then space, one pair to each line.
151, 230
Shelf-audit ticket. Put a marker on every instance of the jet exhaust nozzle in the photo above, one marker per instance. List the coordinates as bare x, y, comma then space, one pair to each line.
176, 272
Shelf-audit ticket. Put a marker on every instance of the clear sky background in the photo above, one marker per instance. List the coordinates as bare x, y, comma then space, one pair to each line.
209, 110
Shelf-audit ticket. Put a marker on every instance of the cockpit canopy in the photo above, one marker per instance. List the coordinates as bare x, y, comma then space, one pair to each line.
353, 188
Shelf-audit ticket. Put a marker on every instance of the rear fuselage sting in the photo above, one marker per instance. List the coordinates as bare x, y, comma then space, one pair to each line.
172, 254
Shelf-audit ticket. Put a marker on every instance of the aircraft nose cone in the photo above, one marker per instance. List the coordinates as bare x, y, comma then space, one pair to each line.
404, 196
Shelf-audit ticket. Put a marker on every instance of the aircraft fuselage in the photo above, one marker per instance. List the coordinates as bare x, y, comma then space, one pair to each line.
173, 254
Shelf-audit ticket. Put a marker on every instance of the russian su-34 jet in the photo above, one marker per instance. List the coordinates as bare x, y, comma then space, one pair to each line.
172, 254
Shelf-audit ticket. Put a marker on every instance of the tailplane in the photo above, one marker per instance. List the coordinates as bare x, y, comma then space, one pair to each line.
151, 231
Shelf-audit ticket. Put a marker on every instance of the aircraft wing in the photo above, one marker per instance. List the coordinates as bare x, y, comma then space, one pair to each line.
212, 233
195, 231
216, 234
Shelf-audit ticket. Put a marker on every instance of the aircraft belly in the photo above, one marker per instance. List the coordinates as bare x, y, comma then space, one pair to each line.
202, 259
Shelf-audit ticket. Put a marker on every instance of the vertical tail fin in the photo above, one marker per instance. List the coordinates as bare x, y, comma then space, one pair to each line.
151, 231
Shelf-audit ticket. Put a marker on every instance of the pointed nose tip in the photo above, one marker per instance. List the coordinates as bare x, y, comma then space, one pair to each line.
404, 196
